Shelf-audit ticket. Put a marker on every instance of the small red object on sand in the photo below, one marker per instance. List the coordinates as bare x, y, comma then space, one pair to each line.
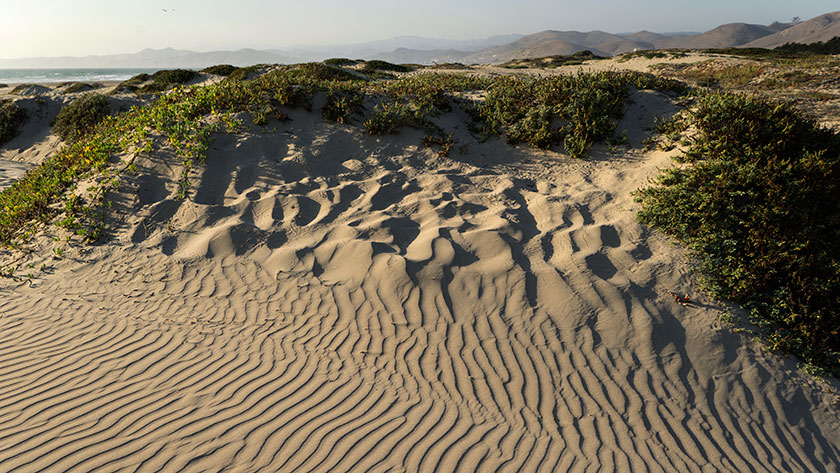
684, 300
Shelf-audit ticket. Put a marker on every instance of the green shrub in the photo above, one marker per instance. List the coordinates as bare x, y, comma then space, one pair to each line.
167, 79
160, 81
316, 71
534, 128
339, 61
448, 66
377, 65
174, 76
11, 118
81, 116
550, 62
759, 206
220, 70
132, 84
244, 73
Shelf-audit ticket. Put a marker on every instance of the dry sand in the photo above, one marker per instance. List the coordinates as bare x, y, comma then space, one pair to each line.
331, 301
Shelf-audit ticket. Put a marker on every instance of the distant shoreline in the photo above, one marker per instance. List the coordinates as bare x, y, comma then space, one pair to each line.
58, 75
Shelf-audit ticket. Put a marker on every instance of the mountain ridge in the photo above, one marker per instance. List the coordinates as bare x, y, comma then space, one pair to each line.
494, 49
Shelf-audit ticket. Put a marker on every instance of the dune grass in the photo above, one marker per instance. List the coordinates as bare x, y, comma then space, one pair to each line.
758, 204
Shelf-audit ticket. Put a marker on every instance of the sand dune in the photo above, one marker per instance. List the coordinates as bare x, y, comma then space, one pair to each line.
331, 301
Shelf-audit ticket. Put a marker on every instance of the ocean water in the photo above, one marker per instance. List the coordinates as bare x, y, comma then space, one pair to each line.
42, 76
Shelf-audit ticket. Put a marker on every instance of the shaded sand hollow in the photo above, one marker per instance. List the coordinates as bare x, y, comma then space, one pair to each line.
331, 301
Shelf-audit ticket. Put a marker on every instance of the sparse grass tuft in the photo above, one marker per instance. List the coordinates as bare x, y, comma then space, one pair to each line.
438, 140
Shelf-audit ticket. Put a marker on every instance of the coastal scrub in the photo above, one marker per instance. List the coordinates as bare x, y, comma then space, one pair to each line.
758, 205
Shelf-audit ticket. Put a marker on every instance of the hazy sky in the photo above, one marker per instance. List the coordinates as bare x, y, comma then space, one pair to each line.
81, 27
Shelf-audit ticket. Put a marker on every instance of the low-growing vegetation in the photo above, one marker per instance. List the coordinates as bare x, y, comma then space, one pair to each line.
758, 203
11, 118
576, 110
80, 116
714, 75
581, 109
653, 54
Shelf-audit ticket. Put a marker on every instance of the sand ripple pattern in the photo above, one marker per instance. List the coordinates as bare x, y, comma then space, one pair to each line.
404, 320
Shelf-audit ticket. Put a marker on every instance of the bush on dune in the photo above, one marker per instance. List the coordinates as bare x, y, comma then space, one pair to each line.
11, 118
759, 206
160, 81
81, 116
220, 70
377, 65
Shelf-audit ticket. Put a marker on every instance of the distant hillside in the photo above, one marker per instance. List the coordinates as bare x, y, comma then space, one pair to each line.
821, 28
419, 56
724, 36
551, 43
492, 50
